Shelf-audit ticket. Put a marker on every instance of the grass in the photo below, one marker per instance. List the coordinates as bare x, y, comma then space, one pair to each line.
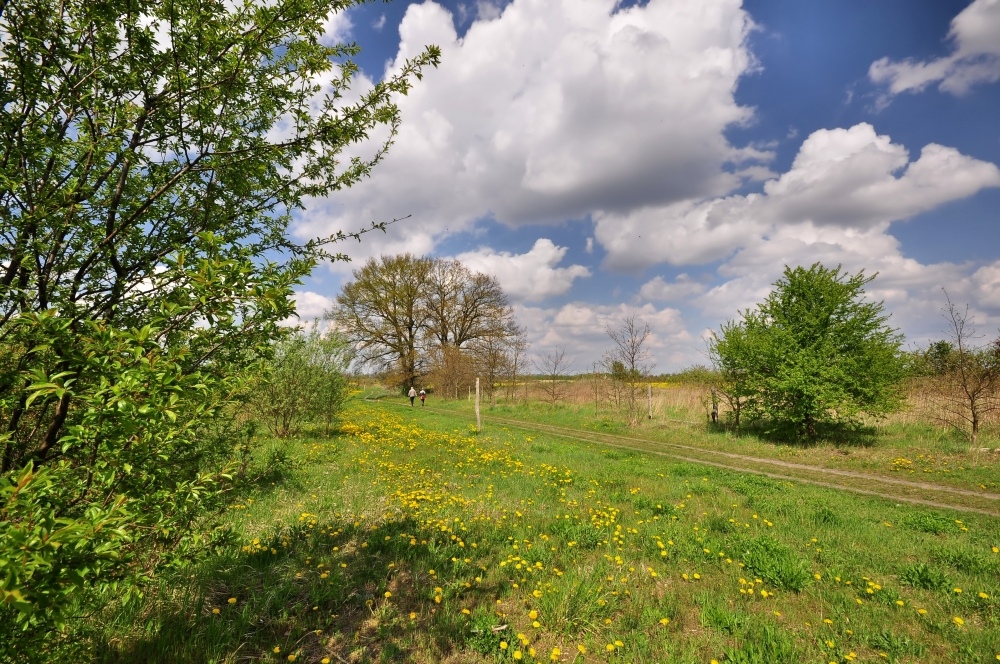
412, 537
909, 445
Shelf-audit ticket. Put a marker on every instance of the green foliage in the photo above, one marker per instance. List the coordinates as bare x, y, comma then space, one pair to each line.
143, 181
814, 353
924, 576
930, 522
304, 381
764, 644
45, 559
895, 645
766, 558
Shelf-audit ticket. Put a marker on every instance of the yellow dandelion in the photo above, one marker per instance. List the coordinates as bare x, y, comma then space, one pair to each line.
533, 614
582, 648
503, 645
232, 600
518, 655
276, 650
388, 594
216, 611
291, 658
958, 621
664, 621
610, 647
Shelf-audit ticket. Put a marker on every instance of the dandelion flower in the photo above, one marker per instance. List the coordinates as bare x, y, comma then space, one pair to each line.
958, 621
388, 594
533, 614
232, 600
276, 650
582, 648
922, 612
503, 645
215, 610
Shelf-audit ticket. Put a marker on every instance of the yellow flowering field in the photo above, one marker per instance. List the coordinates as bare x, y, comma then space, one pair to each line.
411, 537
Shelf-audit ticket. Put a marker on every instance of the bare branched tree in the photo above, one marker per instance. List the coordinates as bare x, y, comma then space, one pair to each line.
629, 363
967, 391
553, 367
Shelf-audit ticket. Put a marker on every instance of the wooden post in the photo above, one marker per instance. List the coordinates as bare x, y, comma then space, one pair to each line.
649, 398
479, 423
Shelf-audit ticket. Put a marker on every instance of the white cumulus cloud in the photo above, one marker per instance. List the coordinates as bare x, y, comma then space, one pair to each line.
528, 277
844, 188
552, 109
974, 59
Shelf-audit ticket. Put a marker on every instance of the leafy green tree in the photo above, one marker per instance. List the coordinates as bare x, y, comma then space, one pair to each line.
409, 315
815, 352
151, 157
383, 315
304, 381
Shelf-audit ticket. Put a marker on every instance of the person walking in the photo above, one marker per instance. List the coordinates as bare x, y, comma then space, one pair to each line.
412, 394
423, 396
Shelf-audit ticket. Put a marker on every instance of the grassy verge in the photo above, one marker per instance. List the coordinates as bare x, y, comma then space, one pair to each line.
413, 538
912, 451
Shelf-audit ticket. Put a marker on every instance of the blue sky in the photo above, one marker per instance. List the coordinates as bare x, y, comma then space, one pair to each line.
667, 158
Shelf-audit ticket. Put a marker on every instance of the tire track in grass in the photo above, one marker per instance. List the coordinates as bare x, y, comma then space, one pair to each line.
883, 484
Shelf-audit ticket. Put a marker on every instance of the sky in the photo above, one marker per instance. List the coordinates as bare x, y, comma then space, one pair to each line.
668, 158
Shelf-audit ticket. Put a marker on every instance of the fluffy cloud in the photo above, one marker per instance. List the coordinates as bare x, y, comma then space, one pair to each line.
310, 305
843, 190
552, 109
529, 277
975, 56
580, 329
660, 290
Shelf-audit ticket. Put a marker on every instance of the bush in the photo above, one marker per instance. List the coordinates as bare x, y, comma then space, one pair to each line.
304, 381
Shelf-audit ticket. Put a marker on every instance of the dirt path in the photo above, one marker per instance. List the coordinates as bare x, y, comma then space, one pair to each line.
944, 497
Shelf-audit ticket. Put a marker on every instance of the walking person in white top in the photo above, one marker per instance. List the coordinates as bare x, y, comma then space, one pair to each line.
412, 394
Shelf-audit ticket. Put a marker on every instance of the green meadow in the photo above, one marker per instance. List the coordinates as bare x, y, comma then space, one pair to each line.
409, 536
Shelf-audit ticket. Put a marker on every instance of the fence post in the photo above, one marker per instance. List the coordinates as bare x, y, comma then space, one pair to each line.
649, 398
479, 423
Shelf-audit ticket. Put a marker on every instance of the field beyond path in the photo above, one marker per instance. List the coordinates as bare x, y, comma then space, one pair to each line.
930, 494
412, 537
